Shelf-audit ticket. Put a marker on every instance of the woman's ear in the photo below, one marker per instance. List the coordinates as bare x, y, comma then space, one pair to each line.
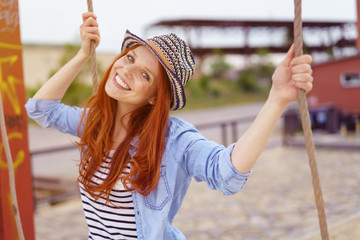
152, 101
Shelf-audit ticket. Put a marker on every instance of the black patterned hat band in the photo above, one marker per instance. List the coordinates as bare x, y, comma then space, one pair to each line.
176, 58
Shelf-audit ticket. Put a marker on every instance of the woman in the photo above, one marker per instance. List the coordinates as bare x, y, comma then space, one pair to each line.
136, 161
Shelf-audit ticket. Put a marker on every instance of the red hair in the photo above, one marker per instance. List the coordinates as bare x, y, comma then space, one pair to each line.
148, 123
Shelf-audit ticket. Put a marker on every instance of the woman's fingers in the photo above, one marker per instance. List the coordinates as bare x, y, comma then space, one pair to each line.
89, 28
302, 68
90, 22
88, 15
301, 59
301, 72
306, 86
93, 30
302, 77
91, 36
89, 31
303, 81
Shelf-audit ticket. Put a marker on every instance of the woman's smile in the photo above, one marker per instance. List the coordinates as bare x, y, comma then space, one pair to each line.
120, 83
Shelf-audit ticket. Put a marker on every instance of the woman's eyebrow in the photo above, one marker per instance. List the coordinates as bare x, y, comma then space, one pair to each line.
133, 52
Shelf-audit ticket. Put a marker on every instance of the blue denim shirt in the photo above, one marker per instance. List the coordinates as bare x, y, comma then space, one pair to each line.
187, 155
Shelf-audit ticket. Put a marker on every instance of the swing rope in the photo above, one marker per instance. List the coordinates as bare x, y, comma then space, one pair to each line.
305, 119
11, 172
93, 55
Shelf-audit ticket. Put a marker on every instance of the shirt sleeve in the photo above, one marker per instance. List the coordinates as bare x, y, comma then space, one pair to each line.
208, 161
52, 113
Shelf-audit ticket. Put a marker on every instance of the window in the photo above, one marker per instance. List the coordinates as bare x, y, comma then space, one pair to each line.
350, 79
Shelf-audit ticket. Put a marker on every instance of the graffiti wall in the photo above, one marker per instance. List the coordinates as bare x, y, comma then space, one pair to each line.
13, 97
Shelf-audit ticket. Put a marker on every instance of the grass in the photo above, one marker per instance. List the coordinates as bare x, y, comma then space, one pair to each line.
220, 93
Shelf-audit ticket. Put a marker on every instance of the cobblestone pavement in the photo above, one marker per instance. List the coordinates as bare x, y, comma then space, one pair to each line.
276, 203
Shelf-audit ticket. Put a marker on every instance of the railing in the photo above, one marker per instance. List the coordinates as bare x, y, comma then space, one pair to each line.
232, 123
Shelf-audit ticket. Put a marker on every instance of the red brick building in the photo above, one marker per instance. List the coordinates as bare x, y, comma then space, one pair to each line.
337, 83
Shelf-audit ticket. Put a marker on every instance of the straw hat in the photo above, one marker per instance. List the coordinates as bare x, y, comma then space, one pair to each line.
176, 58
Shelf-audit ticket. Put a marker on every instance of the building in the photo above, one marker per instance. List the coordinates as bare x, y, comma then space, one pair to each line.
335, 97
337, 84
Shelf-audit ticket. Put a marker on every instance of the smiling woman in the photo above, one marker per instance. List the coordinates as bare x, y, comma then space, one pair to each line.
133, 80
136, 162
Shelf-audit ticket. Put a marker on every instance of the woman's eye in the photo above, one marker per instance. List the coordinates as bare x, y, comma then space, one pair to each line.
145, 76
130, 58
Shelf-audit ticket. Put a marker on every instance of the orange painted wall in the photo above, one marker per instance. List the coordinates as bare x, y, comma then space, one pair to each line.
327, 88
13, 96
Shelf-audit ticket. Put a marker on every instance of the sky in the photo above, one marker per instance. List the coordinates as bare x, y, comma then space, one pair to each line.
57, 22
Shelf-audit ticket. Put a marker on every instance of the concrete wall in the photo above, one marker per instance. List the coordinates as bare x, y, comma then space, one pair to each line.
39, 60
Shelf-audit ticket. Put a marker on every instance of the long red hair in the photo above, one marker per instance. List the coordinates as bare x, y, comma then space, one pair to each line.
147, 123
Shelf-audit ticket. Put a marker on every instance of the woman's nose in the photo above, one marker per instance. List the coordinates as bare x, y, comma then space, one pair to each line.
128, 71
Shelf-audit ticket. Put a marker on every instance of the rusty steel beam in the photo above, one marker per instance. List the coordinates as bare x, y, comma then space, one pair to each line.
243, 23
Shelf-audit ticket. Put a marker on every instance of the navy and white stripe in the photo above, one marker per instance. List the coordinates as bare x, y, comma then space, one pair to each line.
114, 220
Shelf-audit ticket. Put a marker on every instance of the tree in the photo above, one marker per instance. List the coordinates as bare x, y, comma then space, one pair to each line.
219, 66
80, 89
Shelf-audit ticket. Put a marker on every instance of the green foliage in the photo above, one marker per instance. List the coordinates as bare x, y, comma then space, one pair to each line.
77, 93
219, 66
215, 90
204, 82
262, 52
330, 52
247, 81
219, 93
79, 90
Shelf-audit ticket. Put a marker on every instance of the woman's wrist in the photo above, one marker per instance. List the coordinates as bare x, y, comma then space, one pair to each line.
277, 101
82, 55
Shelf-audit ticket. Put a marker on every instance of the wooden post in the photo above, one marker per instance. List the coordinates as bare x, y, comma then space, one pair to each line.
13, 98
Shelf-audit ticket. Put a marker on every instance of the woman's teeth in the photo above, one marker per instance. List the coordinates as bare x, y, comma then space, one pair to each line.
121, 83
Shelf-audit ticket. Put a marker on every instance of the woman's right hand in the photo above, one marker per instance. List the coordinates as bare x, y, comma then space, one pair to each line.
89, 31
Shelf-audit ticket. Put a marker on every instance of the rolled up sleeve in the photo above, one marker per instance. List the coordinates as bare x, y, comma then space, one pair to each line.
51, 113
233, 180
207, 161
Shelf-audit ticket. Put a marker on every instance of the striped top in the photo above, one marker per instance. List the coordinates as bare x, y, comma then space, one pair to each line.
106, 221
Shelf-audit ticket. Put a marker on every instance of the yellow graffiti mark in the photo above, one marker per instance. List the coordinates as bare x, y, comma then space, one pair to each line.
7, 85
20, 156
10, 46
10, 201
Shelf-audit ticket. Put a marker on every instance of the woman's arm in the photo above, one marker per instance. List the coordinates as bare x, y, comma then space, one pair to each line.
56, 86
291, 74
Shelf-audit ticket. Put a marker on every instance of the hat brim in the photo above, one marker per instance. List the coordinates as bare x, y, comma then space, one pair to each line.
178, 100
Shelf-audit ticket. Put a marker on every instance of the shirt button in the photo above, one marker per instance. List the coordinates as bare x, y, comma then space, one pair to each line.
138, 212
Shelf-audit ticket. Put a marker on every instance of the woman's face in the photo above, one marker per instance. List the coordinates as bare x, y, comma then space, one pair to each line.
133, 79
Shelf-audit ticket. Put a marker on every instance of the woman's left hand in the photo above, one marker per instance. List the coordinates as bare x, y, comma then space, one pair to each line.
292, 73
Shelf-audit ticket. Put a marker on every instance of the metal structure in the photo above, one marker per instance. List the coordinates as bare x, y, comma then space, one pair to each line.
331, 35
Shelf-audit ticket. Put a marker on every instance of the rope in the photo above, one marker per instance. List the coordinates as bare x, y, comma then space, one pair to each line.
305, 119
93, 55
11, 172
